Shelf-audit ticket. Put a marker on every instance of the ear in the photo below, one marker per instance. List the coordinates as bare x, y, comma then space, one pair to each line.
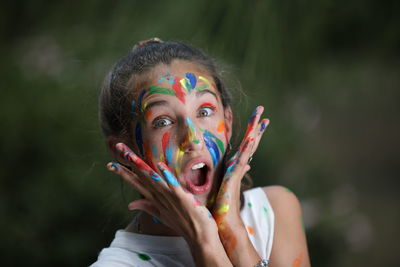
228, 121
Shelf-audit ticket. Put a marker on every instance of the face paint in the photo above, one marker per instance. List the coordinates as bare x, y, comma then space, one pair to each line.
139, 139
148, 153
204, 86
161, 90
167, 149
133, 109
147, 114
221, 128
179, 156
191, 131
140, 99
177, 87
142, 165
214, 146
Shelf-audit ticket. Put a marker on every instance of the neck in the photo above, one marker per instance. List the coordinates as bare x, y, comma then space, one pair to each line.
144, 224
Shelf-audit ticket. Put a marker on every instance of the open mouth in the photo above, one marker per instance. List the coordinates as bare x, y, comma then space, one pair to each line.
197, 177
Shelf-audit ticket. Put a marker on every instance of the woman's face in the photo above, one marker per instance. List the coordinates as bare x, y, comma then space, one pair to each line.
178, 119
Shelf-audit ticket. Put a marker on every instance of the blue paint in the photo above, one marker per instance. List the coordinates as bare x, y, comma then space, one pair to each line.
211, 146
139, 139
156, 220
169, 154
140, 99
253, 115
154, 151
155, 176
192, 79
170, 177
133, 109
262, 127
167, 78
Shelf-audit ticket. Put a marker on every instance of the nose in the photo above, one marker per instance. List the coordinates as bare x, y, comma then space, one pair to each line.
192, 140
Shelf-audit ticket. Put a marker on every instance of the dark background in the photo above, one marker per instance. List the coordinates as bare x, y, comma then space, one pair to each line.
326, 71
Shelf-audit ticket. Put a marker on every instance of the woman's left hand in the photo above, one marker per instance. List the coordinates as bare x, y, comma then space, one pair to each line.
226, 209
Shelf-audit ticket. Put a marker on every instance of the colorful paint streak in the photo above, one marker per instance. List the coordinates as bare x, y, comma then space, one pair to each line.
214, 146
250, 125
167, 149
206, 84
133, 110
191, 131
129, 155
161, 90
227, 235
177, 87
139, 138
221, 128
148, 153
168, 174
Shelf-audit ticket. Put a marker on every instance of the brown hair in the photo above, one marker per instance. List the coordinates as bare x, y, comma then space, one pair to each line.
116, 92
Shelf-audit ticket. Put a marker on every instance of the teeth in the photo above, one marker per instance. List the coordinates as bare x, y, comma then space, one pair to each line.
198, 166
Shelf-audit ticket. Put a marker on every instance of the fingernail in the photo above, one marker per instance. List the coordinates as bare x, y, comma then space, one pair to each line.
253, 115
263, 125
112, 167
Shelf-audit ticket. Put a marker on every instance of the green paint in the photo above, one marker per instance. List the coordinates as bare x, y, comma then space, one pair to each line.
220, 145
249, 204
144, 257
201, 87
265, 209
161, 90
196, 141
288, 190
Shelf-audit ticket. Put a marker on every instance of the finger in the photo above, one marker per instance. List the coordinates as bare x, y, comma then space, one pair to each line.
144, 205
130, 177
129, 155
260, 131
168, 174
253, 122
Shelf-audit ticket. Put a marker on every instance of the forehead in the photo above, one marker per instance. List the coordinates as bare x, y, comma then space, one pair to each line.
178, 78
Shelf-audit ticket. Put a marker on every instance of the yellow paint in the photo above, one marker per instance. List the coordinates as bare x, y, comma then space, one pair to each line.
205, 81
224, 208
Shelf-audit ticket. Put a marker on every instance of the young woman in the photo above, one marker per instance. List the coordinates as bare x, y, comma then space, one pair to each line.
168, 122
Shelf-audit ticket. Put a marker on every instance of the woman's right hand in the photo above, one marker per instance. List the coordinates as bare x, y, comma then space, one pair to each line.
169, 202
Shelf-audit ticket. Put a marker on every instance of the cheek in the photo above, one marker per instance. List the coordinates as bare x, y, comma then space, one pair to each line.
221, 129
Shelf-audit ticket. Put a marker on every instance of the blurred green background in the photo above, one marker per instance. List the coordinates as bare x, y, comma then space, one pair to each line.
327, 72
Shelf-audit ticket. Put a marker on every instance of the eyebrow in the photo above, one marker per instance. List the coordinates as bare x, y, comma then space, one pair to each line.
204, 91
155, 103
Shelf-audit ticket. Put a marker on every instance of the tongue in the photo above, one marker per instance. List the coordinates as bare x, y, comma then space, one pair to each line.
196, 177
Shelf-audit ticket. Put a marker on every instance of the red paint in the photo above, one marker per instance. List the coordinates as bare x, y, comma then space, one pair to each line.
148, 155
139, 162
177, 87
148, 114
164, 143
208, 104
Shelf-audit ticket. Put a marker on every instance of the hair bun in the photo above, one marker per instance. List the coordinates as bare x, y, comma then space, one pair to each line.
145, 42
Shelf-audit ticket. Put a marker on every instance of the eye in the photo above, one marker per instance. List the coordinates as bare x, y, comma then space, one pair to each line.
161, 122
205, 111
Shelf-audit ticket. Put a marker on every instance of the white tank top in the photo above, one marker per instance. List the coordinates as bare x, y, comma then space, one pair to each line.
131, 249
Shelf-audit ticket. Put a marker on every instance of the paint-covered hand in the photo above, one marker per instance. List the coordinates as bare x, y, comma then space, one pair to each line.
166, 200
226, 209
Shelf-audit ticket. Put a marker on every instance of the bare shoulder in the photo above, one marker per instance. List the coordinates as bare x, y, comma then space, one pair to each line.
290, 244
282, 200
